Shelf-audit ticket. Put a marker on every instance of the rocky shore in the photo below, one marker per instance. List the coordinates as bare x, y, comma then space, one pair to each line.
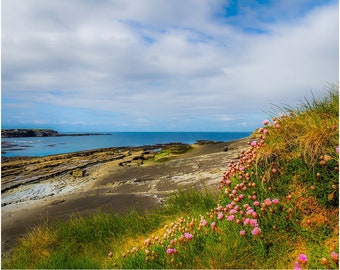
115, 179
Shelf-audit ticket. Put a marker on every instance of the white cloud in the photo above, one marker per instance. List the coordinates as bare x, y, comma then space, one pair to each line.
156, 60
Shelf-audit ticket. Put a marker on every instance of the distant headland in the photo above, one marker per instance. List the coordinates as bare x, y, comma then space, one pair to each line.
36, 132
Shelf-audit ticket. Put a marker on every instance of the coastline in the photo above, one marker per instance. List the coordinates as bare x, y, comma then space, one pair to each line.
113, 181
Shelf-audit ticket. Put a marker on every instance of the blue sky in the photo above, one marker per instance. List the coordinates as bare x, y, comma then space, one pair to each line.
150, 65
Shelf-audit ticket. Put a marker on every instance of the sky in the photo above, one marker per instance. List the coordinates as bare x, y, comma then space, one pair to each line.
156, 65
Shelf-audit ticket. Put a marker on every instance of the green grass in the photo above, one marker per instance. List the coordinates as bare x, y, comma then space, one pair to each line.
84, 241
171, 151
287, 183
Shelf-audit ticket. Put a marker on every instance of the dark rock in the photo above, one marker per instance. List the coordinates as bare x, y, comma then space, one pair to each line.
202, 142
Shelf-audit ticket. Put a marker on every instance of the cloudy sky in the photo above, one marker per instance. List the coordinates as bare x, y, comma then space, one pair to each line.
157, 65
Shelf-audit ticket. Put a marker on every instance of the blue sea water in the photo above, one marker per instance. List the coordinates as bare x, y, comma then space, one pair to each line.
44, 146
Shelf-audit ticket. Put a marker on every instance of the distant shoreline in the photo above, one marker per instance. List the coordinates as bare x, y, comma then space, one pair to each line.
27, 133
40, 146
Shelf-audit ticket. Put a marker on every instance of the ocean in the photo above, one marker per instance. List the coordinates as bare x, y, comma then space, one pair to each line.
44, 146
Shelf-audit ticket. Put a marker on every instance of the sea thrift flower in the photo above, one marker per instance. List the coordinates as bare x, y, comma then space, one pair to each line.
256, 203
243, 233
233, 211
275, 201
254, 215
203, 222
268, 202
188, 236
213, 224
170, 251
253, 222
147, 242
250, 211
265, 122
253, 143
335, 256
219, 215
302, 258
337, 149
297, 266
231, 218
246, 221
265, 131
256, 231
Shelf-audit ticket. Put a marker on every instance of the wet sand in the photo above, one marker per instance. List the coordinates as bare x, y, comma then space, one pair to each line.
109, 187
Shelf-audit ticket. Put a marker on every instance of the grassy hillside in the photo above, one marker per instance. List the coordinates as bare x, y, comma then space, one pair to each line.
277, 208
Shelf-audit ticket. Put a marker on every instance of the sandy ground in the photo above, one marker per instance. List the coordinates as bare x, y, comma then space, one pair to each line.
110, 187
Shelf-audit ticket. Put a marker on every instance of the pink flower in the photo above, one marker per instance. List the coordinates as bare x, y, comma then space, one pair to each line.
233, 211
170, 251
265, 122
253, 222
256, 203
243, 233
297, 266
302, 258
188, 236
268, 201
246, 221
219, 215
213, 224
250, 211
231, 218
253, 143
256, 231
275, 201
334, 256
203, 222
337, 149
265, 131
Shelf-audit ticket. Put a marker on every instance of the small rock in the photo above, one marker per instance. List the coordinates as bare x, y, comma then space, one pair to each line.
57, 202
78, 173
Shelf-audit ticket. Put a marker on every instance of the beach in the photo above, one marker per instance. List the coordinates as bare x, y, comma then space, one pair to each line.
48, 189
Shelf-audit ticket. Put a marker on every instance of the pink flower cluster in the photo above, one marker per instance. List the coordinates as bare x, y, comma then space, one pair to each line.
188, 236
237, 185
301, 259
170, 251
